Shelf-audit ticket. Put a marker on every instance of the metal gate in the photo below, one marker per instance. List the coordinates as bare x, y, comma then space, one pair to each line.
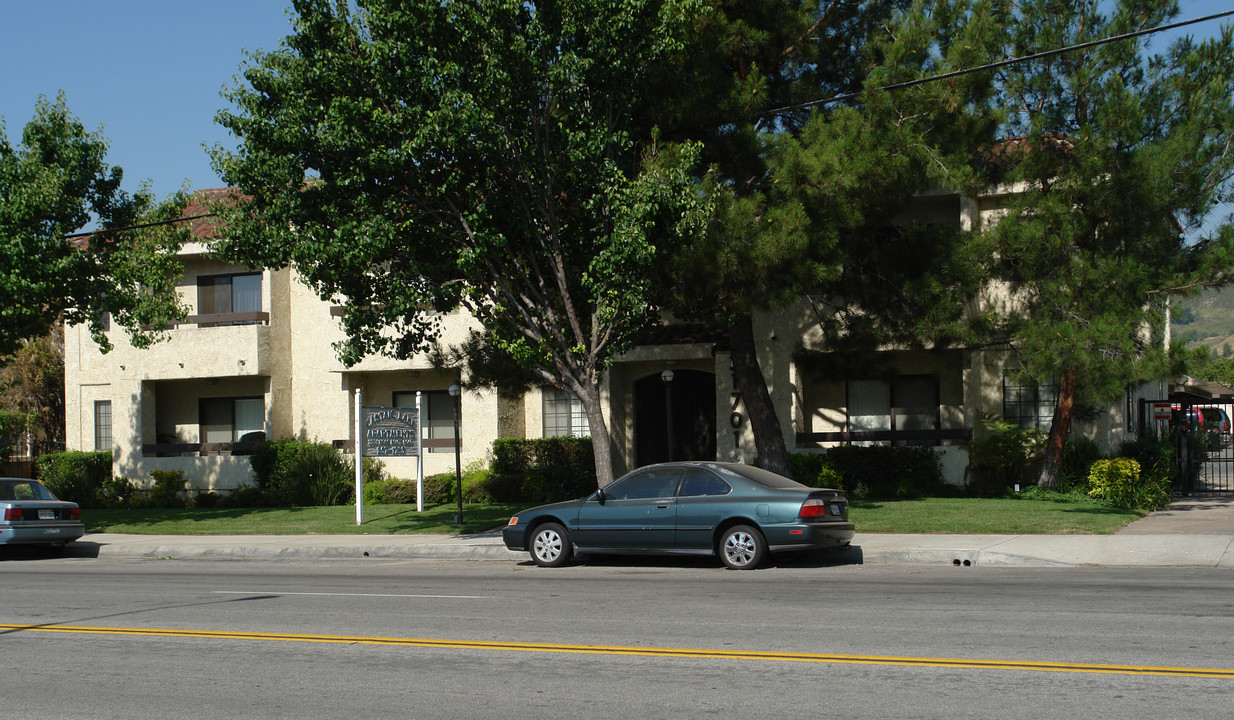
1205, 455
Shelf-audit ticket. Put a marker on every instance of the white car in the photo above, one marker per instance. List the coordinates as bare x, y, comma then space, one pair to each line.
31, 515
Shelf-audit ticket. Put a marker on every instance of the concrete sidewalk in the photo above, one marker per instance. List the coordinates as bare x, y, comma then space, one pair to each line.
1193, 532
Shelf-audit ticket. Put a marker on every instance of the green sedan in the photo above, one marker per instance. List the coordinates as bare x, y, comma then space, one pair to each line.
738, 512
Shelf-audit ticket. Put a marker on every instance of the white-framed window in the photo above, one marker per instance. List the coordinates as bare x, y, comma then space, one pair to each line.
436, 415
1028, 403
564, 414
102, 426
231, 419
902, 404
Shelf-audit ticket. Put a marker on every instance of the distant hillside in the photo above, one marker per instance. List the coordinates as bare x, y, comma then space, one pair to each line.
1206, 320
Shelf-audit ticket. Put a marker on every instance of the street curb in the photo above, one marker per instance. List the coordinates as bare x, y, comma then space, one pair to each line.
868, 549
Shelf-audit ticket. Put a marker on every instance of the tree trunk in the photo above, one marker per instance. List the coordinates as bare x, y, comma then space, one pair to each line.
601, 440
1060, 428
768, 438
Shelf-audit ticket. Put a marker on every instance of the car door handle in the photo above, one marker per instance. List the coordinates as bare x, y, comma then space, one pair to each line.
664, 506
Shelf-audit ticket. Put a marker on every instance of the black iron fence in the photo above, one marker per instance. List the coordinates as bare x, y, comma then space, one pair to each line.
1205, 442
21, 463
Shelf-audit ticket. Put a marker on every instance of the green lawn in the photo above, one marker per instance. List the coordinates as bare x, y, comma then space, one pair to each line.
378, 520
933, 515
989, 516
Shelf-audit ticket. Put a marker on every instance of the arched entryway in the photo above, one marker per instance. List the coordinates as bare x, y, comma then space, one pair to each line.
692, 394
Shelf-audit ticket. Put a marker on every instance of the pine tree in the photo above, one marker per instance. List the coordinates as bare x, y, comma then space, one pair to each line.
1119, 157
804, 190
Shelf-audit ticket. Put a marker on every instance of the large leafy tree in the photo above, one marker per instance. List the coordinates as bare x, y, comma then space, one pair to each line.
52, 184
1121, 157
805, 192
412, 156
32, 382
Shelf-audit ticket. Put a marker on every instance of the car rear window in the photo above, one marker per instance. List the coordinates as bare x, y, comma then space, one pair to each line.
762, 477
24, 490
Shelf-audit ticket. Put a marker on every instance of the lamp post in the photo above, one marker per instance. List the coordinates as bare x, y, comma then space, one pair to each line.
667, 377
455, 392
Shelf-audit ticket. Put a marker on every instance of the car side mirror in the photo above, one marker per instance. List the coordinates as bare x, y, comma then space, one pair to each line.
600, 496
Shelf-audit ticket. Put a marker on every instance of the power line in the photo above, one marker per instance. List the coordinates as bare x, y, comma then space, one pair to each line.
139, 227
1005, 63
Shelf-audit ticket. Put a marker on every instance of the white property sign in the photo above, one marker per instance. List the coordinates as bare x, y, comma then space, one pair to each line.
387, 432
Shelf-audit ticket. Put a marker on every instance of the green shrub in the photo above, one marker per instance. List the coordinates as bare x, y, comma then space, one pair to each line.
13, 425
1079, 454
80, 477
119, 492
476, 485
439, 488
374, 470
1003, 458
1157, 456
374, 492
206, 499
264, 459
400, 492
815, 470
546, 469
1036, 492
303, 473
507, 488
882, 471
246, 497
1118, 482
167, 489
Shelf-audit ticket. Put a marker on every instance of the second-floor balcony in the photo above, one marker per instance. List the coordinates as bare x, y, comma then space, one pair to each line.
204, 346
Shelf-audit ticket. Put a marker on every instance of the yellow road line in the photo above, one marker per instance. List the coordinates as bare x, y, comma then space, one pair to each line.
928, 662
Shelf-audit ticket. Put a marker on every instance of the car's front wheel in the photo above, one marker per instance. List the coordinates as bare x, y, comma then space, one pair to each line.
551, 545
742, 547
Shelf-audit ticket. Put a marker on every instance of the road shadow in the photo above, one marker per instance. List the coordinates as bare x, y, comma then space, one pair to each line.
792, 559
26, 553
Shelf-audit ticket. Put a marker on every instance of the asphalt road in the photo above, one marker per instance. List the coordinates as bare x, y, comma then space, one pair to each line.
643, 639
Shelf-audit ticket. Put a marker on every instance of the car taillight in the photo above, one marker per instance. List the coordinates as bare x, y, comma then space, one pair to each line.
813, 507
75, 514
11, 514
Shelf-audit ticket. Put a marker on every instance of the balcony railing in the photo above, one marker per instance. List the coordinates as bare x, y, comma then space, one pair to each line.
218, 320
198, 449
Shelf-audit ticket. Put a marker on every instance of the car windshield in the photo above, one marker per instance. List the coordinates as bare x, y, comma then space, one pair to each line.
761, 476
24, 490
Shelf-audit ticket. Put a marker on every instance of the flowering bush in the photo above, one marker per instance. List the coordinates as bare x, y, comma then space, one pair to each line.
1118, 482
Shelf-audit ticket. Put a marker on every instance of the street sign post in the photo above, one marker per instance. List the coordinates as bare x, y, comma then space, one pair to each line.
391, 432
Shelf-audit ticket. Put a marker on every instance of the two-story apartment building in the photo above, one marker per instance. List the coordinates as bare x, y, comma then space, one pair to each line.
255, 359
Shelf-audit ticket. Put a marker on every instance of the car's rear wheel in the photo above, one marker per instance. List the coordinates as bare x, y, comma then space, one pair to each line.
742, 547
551, 546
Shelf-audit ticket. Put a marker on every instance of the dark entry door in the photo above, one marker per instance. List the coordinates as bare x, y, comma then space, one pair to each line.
693, 400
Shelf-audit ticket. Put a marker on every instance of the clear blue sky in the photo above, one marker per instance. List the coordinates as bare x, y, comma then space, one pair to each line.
149, 72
